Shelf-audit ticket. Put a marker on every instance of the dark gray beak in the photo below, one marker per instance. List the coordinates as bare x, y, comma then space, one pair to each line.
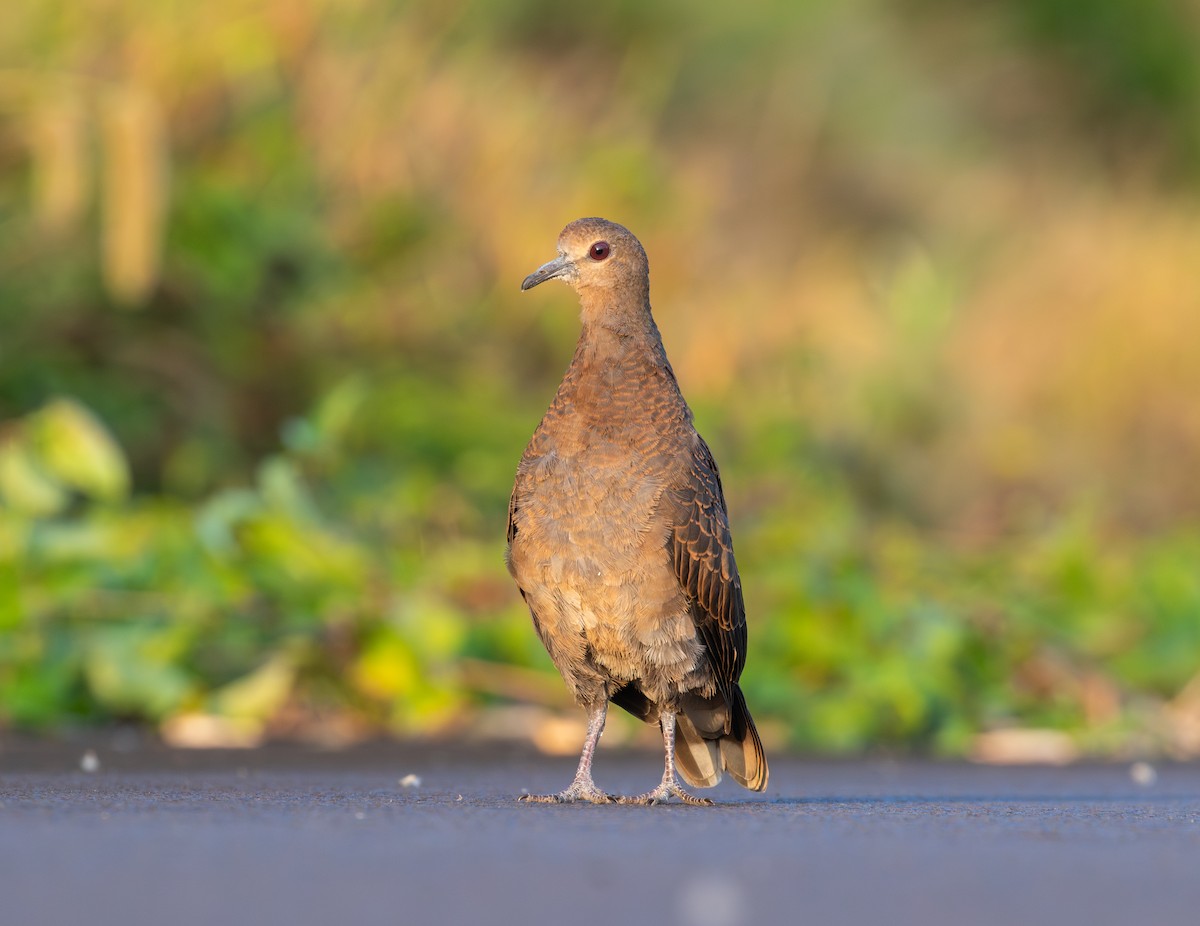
558, 267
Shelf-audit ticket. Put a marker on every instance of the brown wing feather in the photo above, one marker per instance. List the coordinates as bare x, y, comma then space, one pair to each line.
703, 556
512, 515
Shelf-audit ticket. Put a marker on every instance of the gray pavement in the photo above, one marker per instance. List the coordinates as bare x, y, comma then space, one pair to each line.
302, 837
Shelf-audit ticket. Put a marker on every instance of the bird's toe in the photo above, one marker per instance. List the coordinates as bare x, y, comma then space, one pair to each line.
572, 795
664, 793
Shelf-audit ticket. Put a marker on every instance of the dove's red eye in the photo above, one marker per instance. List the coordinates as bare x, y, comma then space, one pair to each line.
599, 250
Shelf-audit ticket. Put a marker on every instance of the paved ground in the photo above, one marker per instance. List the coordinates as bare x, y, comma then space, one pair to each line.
296, 837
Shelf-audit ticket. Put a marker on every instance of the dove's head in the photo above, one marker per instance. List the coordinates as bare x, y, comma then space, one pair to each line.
594, 256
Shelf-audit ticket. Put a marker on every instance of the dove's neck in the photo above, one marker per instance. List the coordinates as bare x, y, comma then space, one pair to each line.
617, 325
620, 370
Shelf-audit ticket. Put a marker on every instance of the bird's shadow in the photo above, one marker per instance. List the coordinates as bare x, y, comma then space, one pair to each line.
984, 798
897, 802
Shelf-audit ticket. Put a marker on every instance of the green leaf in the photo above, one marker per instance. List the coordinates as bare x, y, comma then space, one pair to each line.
134, 671
259, 694
76, 448
24, 486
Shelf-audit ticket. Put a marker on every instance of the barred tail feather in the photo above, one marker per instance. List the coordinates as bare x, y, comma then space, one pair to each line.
698, 759
702, 759
743, 755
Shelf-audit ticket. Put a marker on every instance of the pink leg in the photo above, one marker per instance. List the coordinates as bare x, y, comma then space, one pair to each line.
582, 788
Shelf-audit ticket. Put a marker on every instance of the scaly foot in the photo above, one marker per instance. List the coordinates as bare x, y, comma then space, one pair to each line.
579, 791
662, 795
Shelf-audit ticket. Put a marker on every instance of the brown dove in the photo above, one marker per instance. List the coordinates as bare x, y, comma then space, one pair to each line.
618, 536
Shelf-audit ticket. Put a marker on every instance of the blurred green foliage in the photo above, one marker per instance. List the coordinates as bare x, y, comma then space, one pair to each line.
255, 459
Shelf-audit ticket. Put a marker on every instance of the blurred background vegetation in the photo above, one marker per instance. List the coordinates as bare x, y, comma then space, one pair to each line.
926, 270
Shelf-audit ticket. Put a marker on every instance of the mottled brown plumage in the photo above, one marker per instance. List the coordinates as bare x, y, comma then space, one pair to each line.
618, 536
